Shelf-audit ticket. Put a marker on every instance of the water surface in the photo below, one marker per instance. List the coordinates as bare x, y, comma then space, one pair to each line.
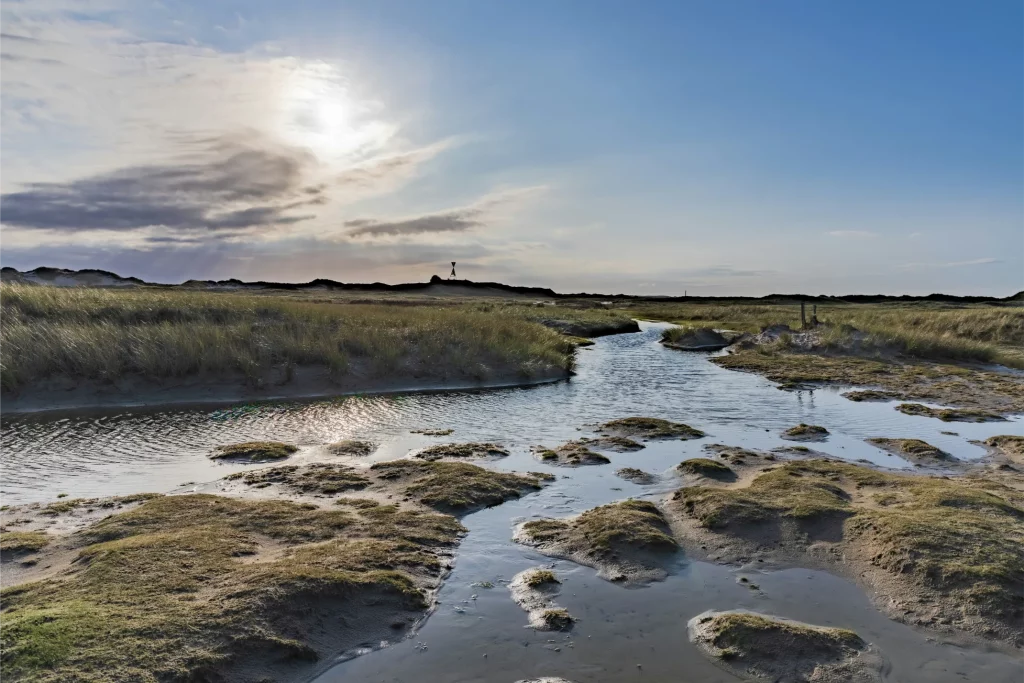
100, 453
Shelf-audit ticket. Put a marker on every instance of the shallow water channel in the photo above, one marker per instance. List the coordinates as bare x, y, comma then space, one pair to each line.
479, 634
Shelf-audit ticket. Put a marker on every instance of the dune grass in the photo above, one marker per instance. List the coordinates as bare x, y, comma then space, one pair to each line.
103, 335
976, 332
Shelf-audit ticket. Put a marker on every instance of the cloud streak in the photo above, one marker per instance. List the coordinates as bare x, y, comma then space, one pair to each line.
953, 264
234, 187
460, 219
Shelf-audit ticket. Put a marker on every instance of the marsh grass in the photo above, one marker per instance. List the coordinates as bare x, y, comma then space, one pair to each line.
163, 592
104, 335
964, 536
991, 334
754, 634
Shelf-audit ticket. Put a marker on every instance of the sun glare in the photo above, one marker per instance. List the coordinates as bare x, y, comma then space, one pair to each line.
322, 114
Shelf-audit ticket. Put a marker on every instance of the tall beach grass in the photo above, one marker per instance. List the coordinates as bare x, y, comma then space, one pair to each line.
105, 334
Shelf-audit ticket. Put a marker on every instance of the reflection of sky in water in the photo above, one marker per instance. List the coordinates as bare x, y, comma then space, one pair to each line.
117, 452
125, 451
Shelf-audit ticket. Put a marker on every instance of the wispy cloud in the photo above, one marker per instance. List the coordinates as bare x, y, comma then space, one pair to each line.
490, 208
953, 264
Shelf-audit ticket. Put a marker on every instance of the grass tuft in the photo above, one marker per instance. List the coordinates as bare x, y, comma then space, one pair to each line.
255, 451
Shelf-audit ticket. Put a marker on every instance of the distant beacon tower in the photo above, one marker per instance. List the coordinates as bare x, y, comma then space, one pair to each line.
452, 276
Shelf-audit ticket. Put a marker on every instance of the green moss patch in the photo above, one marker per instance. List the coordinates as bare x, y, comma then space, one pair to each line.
461, 451
183, 588
950, 414
650, 428
255, 451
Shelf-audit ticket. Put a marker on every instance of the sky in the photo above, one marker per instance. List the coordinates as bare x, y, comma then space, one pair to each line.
649, 147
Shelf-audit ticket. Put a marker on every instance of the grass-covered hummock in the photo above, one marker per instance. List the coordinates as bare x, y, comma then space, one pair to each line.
805, 432
635, 475
205, 587
570, 454
461, 451
751, 643
694, 339
255, 451
23, 541
650, 428
455, 486
950, 414
534, 590
540, 577
922, 330
705, 467
1012, 446
352, 447
162, 335
955, 543
616, 444
743, 456
914, 450
871, 395
626, 541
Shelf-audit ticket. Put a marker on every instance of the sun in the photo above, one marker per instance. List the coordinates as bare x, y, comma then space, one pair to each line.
322, 114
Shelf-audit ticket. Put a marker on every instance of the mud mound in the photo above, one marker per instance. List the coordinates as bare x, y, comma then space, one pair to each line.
704, 467
463, 451
534, 590
637, 476
694, 339
805, 432
571, 454
650, 428
628, 541
254, 451
780, 650
950, 414
914, 450
942, 552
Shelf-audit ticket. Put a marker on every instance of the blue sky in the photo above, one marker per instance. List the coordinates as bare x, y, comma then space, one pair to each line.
653, 147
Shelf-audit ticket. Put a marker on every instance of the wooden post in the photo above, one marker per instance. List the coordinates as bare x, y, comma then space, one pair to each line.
803, 317
814, 315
